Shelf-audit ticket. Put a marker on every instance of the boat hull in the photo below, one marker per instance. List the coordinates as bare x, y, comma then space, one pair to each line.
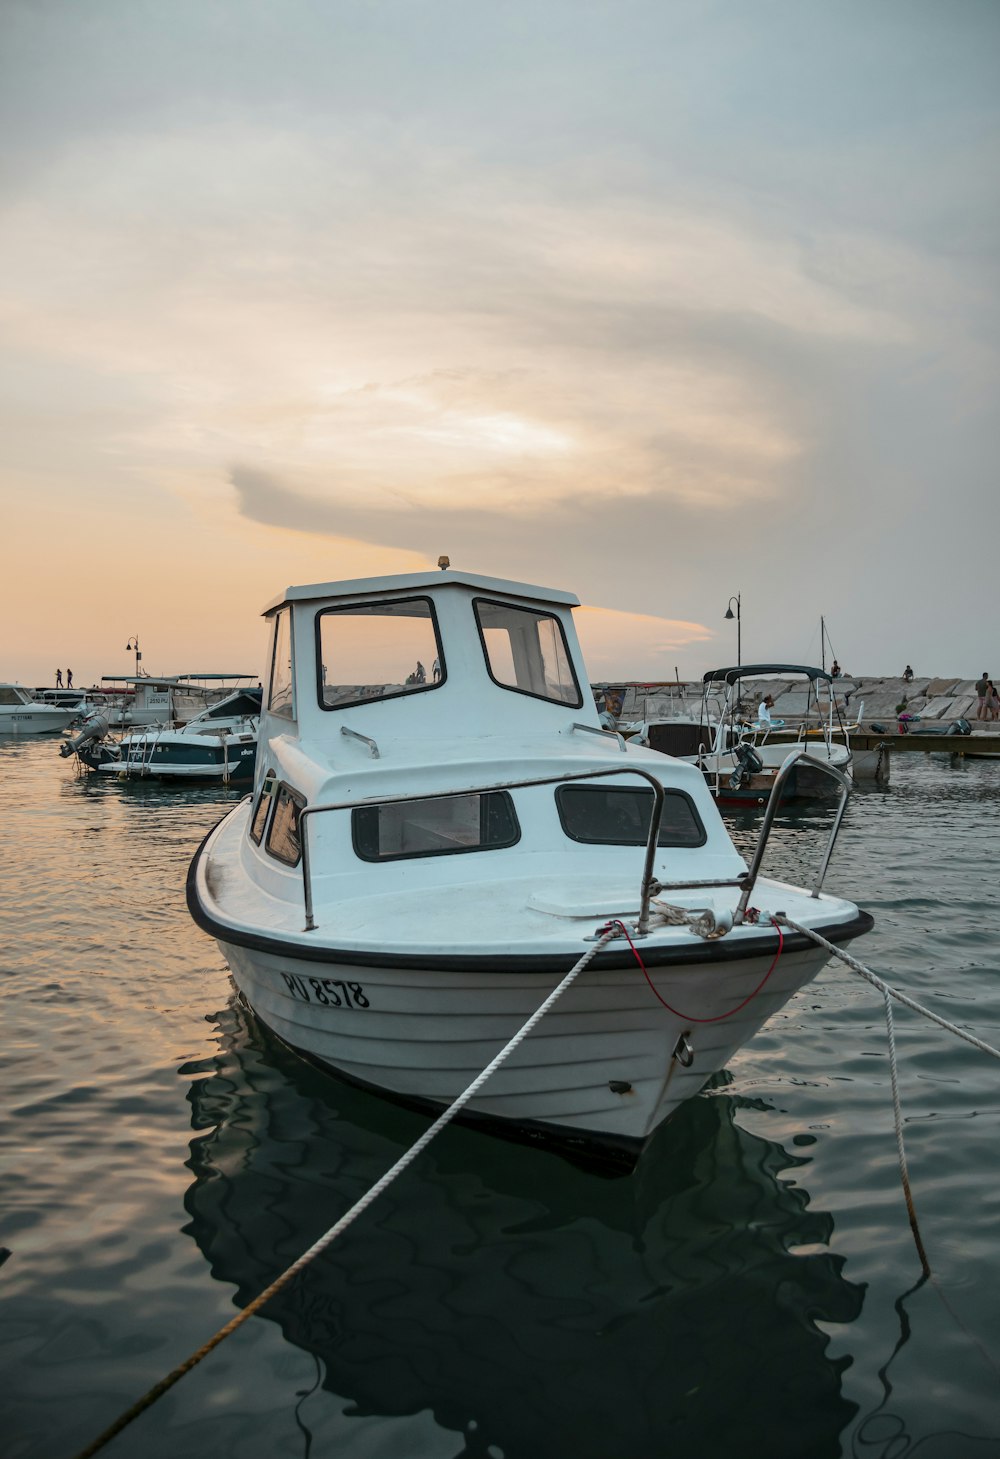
32, 720
606, 1066
173, 762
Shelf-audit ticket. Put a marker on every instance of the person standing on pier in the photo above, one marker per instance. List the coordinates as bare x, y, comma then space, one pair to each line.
982, 689
58, 678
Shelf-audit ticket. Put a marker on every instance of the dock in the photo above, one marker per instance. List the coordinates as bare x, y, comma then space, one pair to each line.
873, 750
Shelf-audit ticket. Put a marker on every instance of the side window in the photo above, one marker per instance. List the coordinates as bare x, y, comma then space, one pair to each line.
377, 651
527, 651
280, 699
283, 837
262, 807
619, 816
437, 827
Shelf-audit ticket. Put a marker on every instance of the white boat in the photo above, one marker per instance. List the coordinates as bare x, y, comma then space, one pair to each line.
21, 714
220, 744
426, 855
133, 700
741, 754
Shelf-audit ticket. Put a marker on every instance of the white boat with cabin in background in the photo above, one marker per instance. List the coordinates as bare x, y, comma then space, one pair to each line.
440, 830
740, 753
22, 714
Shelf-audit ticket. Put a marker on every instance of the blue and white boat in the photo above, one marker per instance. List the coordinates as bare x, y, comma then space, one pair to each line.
440, 829
220, 744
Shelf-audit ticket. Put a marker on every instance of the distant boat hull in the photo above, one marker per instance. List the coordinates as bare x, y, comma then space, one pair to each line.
168, 758
30, 719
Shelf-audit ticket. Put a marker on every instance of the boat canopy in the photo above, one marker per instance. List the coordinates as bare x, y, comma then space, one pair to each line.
757, 671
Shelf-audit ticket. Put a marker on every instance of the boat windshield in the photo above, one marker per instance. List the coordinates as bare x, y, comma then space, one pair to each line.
526, 651
377, 651
10, 695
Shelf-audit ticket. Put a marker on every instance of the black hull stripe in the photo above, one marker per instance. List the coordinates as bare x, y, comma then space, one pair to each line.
618, 957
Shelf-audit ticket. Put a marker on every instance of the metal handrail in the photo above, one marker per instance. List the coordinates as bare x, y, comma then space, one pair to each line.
648, 884
592, 729
770, 810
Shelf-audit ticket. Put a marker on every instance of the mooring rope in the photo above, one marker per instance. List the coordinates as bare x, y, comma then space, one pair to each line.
886, 988
359, 1207
888, 993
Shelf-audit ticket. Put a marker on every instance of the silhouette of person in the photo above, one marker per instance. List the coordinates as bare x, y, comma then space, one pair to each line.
58, 678
69, 678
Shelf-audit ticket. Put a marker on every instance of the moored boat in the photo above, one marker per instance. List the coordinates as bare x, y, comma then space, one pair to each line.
740, 752
22, 714
220, 744
428, 850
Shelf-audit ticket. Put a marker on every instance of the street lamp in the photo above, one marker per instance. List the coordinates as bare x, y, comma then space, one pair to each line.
736, 615
133, 643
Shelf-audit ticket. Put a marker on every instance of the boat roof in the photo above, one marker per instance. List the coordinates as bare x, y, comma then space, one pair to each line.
758, 671
413, 581
174, 680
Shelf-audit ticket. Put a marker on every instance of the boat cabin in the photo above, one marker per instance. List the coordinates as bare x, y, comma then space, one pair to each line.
469, 655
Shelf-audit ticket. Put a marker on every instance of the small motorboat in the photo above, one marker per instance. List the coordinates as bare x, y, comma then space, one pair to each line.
740, 753
427, 853
220, 743
22, 714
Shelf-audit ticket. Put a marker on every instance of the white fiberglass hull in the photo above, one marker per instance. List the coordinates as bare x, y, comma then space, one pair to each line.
607, 1064
31, 719
599, 1070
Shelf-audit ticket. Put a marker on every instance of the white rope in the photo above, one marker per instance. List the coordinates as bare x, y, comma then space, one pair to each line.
888, 993
886, 988
359, 1207
704, 922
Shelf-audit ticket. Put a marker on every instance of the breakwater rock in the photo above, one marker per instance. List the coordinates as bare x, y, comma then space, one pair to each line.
934, 699
859, 697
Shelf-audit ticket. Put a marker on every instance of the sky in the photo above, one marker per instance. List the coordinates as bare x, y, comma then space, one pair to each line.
672, 304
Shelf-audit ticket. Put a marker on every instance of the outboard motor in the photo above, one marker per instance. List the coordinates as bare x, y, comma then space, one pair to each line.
960, 727
94, 728
748, 763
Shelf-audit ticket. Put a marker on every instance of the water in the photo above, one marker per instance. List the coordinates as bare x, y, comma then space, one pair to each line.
752, 1290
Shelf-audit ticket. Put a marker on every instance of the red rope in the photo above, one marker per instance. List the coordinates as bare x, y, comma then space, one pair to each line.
687, 1017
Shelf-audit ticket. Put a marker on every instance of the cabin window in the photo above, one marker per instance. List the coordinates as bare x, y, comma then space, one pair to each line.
280, 699
377, 651
435, 827
283, 840
262, 807
9, 695
619, 816
527, 651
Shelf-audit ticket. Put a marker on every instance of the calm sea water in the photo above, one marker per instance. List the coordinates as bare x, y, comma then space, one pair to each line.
752, 1290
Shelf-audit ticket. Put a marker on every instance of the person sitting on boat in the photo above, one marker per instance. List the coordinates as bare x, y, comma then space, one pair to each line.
765, 719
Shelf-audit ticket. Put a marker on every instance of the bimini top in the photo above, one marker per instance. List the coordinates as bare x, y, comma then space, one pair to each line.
406, 582
756, 671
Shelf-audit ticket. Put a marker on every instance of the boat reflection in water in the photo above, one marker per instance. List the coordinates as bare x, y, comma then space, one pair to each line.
541, 1308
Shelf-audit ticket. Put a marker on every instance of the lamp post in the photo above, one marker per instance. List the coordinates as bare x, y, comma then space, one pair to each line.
736, 615
133, 643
